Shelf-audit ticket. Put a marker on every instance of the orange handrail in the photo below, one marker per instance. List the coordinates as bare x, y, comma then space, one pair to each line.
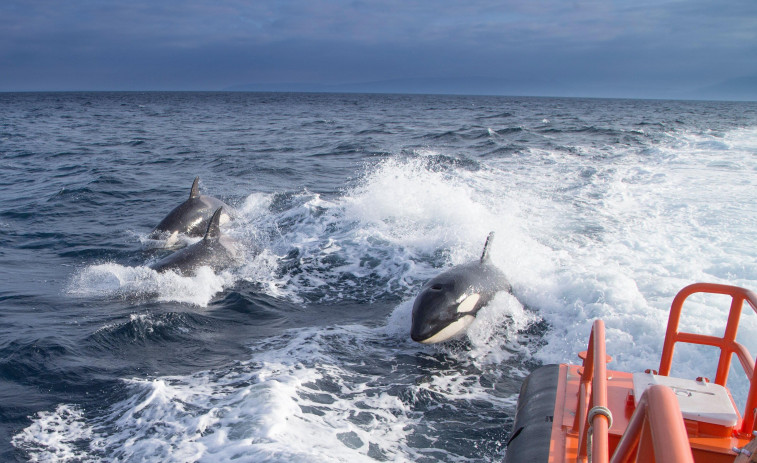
593, 390
656, 432
727, 344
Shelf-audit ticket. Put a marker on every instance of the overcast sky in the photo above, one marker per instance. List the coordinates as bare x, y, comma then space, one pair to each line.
636, 48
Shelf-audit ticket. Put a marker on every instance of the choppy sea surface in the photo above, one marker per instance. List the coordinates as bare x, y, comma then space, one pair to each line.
347, 204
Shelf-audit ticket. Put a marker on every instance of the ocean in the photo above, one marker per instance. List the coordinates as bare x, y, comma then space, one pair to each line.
345, 205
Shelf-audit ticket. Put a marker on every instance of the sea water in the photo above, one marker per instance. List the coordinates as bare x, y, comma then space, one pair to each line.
345, 205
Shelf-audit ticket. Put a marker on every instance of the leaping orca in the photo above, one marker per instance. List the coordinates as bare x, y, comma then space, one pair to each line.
190, 217
448, 303
215, 250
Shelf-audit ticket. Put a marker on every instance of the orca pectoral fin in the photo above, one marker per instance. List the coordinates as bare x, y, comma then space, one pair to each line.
485, 253
214, 227
171, 240
195, 191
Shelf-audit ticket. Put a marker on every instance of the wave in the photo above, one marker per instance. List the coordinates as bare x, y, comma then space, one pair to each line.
149, 328
354, 246
310, 393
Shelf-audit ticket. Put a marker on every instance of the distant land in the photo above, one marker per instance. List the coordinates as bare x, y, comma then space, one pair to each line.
740, 89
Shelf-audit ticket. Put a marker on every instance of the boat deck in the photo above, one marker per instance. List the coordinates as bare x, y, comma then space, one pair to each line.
709, 444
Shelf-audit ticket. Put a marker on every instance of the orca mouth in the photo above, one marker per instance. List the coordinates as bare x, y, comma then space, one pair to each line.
423, 338
442, 333
421, 332
417, 338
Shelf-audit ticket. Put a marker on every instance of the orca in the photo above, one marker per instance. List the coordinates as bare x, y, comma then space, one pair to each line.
190, 217
448, 303
215, 250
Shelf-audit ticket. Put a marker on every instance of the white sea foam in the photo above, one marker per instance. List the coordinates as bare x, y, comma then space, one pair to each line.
628, 235
61, 435
115, 280
295, 400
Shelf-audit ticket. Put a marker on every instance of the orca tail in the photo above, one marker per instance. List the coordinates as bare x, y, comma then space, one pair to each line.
195, 191
485, 253
214, 227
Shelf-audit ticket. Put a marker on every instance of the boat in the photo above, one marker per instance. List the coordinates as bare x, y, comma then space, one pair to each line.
585, 412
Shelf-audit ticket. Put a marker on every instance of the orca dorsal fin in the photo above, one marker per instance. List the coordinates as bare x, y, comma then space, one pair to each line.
195, 191
485, 253
214, 226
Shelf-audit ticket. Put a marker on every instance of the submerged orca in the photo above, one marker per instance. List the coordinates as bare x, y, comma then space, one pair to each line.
215, 250
190, 217
448, 303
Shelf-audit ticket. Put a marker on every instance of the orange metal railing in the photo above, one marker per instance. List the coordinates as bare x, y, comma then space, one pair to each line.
656, 429
727, 344
656, 432
593, 390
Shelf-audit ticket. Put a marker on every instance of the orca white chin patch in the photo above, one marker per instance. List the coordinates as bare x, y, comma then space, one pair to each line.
468, 303
450, 331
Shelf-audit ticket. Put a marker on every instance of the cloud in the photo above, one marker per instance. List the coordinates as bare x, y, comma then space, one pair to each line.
217, 43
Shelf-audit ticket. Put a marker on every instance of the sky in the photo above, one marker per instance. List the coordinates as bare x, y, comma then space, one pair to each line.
597, 48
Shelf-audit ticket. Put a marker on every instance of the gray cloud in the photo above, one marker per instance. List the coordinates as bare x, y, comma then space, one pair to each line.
213, 44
